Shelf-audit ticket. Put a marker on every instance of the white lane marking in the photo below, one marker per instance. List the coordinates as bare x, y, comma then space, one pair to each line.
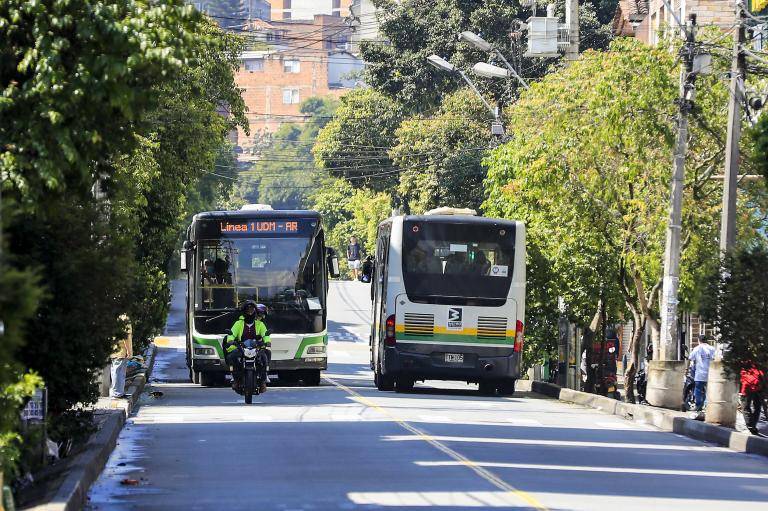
524, 422
434, 498
435, 418
611, 470
622, 425
563, 443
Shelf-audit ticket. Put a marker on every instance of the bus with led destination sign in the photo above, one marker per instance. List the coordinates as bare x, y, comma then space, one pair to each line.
277, 258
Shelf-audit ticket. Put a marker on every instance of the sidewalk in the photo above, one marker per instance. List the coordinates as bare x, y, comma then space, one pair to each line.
68, 491
666, 420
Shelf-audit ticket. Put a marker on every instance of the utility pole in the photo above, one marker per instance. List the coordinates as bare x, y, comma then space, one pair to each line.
738, 75
665, 384
572, 22
721, 407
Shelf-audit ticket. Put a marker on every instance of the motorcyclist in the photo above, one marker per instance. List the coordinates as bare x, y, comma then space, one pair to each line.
250, 325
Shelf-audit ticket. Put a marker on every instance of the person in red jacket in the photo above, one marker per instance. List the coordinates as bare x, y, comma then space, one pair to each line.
752, 386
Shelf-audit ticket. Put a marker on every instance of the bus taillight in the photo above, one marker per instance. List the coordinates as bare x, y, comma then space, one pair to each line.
519, 337
389, 332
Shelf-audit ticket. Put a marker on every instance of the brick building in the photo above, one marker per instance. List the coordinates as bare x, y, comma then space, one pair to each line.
289, 62
307, 9
646, 19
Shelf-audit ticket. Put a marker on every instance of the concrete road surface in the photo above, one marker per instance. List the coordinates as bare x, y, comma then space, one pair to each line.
344, 445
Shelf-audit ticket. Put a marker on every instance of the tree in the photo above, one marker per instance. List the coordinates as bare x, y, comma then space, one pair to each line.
414, 29
736, 303
441, 157
355, 144
285, 176
588, 172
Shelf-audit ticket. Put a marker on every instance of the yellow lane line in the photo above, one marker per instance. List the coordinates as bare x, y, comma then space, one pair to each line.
481, 471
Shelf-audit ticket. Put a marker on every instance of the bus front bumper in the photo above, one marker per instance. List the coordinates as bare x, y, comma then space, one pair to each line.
478, 365
292, 364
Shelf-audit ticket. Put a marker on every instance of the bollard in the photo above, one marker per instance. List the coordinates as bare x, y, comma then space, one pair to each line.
665, 383
722, 396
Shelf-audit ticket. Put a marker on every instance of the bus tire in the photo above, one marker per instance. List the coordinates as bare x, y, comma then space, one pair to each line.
383, 382
404, 384
312, 377
207, 379
507, 388
486, 388
194, 376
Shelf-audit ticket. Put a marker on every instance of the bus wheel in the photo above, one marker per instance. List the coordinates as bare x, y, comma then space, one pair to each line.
194, 376
207, 379
404, 384
383, 382
486, 388
312, 377
507, 388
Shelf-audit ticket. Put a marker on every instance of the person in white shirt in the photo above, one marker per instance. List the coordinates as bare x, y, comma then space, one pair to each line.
700, 358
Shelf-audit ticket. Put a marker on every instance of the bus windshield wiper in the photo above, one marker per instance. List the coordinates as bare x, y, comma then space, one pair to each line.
221, 315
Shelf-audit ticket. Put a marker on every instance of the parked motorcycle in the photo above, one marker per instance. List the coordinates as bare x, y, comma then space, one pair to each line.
252, 368
641, 385
689, 399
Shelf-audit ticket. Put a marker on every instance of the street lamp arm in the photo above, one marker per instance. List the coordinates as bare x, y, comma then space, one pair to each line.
493, 111
511, 69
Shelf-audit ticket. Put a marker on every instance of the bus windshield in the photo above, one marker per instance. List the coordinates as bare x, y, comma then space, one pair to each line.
285, 274
457, 260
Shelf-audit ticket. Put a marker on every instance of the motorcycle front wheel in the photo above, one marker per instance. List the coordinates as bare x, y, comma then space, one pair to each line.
249, 385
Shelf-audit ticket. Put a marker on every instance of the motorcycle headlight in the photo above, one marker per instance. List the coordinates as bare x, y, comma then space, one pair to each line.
250, 352
320, 348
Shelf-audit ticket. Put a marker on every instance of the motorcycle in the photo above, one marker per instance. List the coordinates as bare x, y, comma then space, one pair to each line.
641, 385
252, 368
689, 399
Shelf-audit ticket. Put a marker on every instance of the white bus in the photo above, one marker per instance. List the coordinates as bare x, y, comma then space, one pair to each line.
448, 301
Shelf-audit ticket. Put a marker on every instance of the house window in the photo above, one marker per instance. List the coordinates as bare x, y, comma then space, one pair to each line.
254, 65
290, 96
291, 66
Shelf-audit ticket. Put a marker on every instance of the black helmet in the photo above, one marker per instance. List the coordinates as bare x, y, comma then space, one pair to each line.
261, 309
248, 303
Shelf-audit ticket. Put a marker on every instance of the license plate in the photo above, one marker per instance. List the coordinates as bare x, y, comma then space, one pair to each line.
454, 358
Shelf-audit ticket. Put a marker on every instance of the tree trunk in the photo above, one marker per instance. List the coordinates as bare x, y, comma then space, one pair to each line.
587, 339
634, 354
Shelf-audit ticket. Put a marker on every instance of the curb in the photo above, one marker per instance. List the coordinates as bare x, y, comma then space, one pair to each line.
72, 495
666, 420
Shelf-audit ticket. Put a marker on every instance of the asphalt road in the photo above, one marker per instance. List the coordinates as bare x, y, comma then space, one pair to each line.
344, 445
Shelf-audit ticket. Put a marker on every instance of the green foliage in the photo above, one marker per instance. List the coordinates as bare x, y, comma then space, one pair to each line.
759, 138
442, 158
285, 176
347, 212
354, 144
414, 29
736, 303
13, 397
588, 172
74, 77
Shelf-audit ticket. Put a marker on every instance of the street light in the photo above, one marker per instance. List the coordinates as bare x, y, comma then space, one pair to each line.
485, 69
490, 71
443, 65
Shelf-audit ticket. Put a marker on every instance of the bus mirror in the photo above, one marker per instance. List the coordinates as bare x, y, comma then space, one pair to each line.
333, 266
183, 260
188, 245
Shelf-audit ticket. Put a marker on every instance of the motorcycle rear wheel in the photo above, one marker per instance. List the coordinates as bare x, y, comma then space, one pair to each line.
249, 386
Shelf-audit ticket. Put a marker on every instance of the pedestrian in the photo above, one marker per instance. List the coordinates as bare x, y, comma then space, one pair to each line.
751, 395
123, 352
353, 255
700, 358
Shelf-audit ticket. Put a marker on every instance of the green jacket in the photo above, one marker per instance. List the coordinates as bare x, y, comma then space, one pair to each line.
237, 333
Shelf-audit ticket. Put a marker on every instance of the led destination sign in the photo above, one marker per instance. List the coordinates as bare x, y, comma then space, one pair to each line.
260, 227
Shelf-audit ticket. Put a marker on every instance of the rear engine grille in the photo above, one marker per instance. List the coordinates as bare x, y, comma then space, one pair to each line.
419, 324
491, 328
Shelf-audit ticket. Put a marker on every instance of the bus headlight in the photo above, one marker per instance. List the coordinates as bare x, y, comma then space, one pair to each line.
312, 350
205, 351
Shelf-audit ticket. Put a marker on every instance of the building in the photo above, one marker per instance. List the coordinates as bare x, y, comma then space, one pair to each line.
234, 14
307, 9
647, 19
290, 61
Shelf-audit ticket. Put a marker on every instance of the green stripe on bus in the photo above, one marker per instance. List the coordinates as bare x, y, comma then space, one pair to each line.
309, 341
214, 343
440, 338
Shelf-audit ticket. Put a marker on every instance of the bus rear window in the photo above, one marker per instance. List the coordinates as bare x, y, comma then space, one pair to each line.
458, 260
